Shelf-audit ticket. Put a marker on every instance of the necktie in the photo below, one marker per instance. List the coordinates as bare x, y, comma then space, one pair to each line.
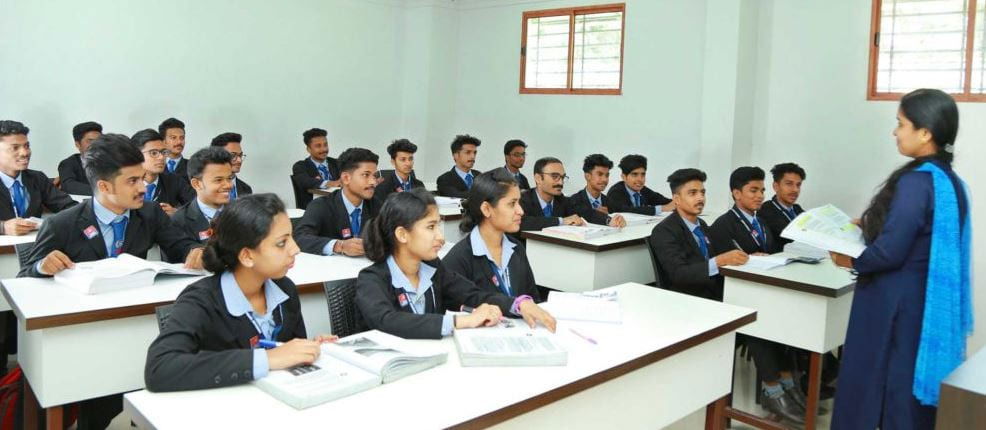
20, 205
468, 179
636, 200
406, 185
325, 173
595, 204
232, 192
149, 194
547, 209
702, 246
172, 164
791, 213
354, 221
119, 233
761, 239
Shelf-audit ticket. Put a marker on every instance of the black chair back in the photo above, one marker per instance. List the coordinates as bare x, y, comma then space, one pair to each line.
344, 317
661, 279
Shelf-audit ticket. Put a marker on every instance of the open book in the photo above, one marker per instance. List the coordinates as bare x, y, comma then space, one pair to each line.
584, 307
120, 273
510, 343
581, 232
633, 219
767, 262
353, 364
827, 228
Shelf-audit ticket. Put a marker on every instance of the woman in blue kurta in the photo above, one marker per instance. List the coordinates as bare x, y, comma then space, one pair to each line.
911, 313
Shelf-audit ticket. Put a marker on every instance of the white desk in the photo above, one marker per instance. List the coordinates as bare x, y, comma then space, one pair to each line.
672, 355
451, 218
9, 262
581, 265
801, 305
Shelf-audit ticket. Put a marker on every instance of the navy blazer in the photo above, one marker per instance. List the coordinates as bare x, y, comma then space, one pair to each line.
390, 184
72, 177
682, 267
326, 219
451, 185
650, 200
460, 259
305, 176
776, 219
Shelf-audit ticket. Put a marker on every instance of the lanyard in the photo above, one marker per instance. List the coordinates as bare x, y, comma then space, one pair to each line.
783, 211
277, 327
749, 228
501, 280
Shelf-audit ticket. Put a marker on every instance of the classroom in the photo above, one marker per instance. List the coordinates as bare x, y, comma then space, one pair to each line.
693, 213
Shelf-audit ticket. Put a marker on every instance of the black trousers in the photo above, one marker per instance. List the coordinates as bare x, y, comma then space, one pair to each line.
770, 358
96, 414
8, 338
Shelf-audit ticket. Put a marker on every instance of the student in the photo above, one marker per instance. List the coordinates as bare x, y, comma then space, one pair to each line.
458, 181
116, 220
333, 224
231, 143
912, 312
741, 228
546, 205
71, 175
489, 257
631, 195
165, 188
211, 174
590, 201
514, 155
25, 192
408, 289
783, 207
222, 329
173, 132
402, 178
689, 263
318, 171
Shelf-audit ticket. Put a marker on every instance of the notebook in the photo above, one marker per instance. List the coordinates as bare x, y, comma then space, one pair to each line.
592, 307
581, 232
121, 273
767, 262
633, 219
510, 343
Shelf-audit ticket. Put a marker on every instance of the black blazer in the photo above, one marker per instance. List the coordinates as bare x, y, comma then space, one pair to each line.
203, 346
42, 194
521, 179
620, 200
326, 219
65, 232
390, 184
305, 176
682, 267
242, 188
478, 270
172, 190
451, 185
772, 215
582, 206
534, 218
192, 222
72, 177
181, 171
728, 228
377, 301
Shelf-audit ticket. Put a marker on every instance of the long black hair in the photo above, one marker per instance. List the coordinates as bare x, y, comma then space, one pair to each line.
400, 210
490, 187
929, 109
244, 223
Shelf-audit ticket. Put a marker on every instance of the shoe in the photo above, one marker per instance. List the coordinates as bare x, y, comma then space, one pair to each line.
827, 391
785, 407
799, 397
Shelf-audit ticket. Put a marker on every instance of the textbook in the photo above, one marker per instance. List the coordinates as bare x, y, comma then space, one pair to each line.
767, 262
448, 204
827, 228
581, 232
633, 219
805, 250
121, 273
510, 343
352, 364
584, 307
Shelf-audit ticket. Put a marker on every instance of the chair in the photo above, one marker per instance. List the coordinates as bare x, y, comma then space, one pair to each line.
661, 279
344, 317
163, 313
23, 250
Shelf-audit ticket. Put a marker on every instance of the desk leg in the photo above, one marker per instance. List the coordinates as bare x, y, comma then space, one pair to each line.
55, 415
814, 386
30, 407
715, 414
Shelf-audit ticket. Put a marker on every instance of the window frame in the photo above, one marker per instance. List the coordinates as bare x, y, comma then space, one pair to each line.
572, 12
874, 39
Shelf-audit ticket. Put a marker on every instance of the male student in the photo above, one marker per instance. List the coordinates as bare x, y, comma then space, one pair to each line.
71, 175
741, 228
590, 200
211, 173
173, 132
631, 195
545, 205
231, 142
402, 178
514, 155
333, 224
317, 171
458, 181
688, 261
116, 220
783, 207
167, 189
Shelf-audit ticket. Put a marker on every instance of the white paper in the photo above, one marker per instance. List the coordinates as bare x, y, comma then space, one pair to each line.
827, 228
581, 232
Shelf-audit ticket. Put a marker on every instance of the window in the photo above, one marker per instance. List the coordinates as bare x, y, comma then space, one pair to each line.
927, 44
573, 51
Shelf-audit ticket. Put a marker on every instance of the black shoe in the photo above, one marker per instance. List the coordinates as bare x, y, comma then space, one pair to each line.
785, 407
799, 398
827, 391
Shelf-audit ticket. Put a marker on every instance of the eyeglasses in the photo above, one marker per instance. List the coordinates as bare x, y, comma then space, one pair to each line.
238, 155
518, 154
557, 176
158, 152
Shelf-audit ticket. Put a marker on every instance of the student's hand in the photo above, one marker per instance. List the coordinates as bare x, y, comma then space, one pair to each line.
572, 220
293, 353
335, 183
668, 207
761, 254
732, 258
603, 209
484, 315
617, 221
55, 262
841, 260
857, 221
351, 247
168, 209
194, 259
326, 338
18, 226
534, 314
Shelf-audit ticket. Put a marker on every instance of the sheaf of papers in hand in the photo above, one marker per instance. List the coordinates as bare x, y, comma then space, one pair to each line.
121, 273
827, 228
581, 232
584, 307
633, 219
510, 343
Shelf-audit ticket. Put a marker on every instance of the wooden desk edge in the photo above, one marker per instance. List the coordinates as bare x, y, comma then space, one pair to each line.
538, 236
789, 284
7, 249
527, 405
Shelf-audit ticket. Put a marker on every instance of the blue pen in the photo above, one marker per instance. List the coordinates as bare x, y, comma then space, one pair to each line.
267, 344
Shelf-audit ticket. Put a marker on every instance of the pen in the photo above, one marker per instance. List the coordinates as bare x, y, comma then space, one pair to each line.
587, 338
267, 344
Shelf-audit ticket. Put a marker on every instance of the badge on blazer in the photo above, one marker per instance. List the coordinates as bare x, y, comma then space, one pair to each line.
495, 280
90, 232
347, 233
254, 341
205, 234
399, 189
402, 299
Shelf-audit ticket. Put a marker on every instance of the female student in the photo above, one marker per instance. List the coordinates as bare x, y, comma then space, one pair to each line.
407, 289
488, 256
911, 311
223, 329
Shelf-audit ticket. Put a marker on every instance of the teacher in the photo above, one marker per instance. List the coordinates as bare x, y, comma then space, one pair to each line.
911, 312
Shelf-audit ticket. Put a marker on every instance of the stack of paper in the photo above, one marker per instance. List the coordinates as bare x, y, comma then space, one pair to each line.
827, 228
581, 232
447, 204
584, 307
120, 273
510, 343
767, 262
805, 250
633, 219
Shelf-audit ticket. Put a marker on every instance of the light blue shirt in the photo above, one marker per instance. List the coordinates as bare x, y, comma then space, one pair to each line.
597, 200
462, 174
327, 250
479, 250
207, 210
104, 217
237, 305
416, 297
713, 267
630, 191
749, 217
544, 204
324, 163
9, 183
